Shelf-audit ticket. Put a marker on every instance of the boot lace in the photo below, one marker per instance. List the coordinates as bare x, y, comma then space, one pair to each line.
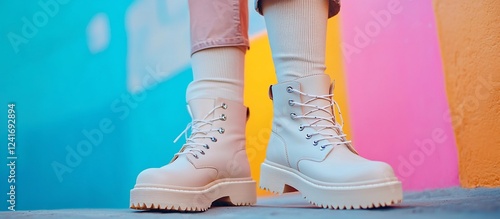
321, 129
200, 129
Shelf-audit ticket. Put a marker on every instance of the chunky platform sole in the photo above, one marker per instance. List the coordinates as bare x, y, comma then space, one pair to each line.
280, 179
189, 199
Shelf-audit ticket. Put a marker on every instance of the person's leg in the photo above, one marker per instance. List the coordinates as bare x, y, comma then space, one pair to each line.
217, 72
219, 40
308, 150
297, 35
213, 163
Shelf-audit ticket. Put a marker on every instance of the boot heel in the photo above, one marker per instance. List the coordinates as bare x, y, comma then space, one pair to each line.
242, 193
270, 179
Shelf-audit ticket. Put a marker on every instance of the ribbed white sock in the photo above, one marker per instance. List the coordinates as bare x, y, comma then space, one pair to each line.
217, 72
297, 34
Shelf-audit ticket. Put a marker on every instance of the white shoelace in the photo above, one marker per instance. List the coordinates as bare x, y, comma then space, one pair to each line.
197, 132
321, 128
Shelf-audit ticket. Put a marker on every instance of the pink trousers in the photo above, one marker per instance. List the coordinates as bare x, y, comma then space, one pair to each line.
217, 23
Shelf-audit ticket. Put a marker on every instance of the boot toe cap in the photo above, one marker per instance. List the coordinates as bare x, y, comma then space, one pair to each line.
152, 176
178, 178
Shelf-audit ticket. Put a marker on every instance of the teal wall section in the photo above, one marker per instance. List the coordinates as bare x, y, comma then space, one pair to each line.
62, 90
82, 136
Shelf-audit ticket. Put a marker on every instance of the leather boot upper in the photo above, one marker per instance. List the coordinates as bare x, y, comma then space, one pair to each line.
303, 139
214, 151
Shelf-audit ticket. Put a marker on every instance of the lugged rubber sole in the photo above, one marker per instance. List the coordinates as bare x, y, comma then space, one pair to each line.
232, 192
279, 179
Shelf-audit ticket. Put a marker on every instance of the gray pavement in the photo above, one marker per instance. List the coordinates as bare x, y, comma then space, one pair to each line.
444, 203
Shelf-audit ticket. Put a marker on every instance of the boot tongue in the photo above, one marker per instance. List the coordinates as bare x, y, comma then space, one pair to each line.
198, 108
316, 85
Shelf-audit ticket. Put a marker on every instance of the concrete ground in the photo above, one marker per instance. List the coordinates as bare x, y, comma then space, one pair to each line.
452, 203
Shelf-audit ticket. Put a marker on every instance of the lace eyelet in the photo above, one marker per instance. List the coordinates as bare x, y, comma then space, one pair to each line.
221, 130
315, 143
289, 89
293, 115
202, 152
223, 117
224, 106
322, 147
206, 146
195, 156
213, 139
291, 102
301, 128
308, 136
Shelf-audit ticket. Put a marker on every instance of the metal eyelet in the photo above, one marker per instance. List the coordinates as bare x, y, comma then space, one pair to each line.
202, 152
293, 115
213, 139
315, 143
206, 146
223, 117
195, 156
221, 130
291, 102
301, 128
308, 136
224, 106
322, 147
289, 89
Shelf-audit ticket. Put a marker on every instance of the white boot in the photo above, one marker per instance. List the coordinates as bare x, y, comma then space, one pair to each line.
212, 165
308, 152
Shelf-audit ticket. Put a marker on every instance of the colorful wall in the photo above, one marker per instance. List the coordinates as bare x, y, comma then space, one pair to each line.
96, 86
470, 45
395, 88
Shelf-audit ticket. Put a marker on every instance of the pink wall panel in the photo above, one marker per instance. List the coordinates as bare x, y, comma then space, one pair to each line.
398, 107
